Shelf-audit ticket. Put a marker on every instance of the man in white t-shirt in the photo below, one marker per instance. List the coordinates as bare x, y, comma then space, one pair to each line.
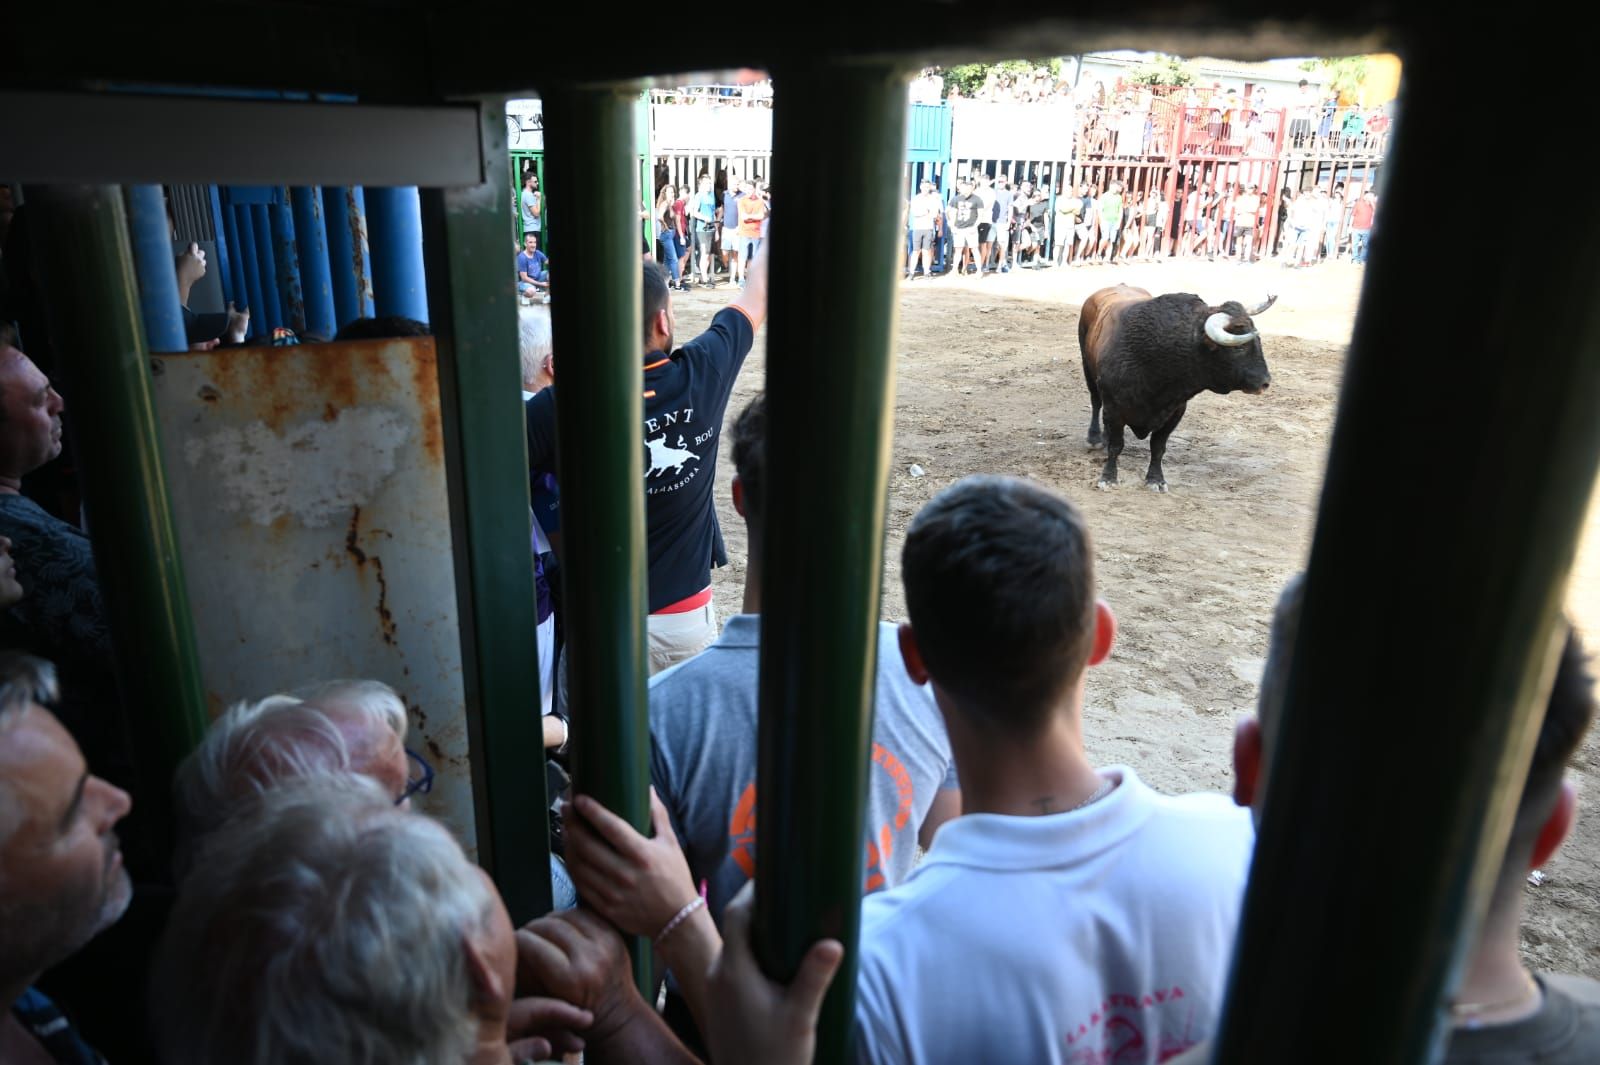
1070, 914
924, 212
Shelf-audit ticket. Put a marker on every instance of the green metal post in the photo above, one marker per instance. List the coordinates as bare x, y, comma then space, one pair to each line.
1435, 580
595, 294
828, 348
81, 237
474, 308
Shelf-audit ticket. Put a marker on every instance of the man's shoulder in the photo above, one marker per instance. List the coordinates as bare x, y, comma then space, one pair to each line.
895, 919
705, 686
1204, 809
731, 334
1580, 989
542, 407
1565, 1030
18, 512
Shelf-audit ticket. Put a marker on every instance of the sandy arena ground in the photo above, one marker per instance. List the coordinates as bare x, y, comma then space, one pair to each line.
989, 381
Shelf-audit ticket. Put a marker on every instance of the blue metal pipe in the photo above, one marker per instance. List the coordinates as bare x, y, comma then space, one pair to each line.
228, 229
399, 281
151, 235
223, 261
267, 268
250, 266
341, 254
348, 255
311, 241
287, 257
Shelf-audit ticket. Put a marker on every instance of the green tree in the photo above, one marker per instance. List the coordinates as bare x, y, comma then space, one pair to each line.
969, 77
1163, 70
1344, 74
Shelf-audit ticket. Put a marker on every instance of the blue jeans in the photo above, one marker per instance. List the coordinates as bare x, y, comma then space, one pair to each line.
1358, 245
672, 250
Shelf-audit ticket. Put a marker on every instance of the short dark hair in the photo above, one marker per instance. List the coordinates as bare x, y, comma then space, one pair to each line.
999, 577
383, 328
654, 291
749, 443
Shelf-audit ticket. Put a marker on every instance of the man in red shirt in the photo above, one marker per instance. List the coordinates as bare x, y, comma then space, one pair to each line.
752, 210
1361, 225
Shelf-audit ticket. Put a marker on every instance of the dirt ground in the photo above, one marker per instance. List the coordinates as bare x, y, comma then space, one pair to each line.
988, 380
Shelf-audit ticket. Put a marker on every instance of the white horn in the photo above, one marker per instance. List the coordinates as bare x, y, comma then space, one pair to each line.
1217, 330
1253, 311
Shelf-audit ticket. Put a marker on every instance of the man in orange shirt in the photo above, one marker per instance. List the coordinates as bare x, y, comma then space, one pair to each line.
752, 210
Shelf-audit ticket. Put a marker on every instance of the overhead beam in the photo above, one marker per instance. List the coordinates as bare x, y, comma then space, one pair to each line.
102, 138
414, 52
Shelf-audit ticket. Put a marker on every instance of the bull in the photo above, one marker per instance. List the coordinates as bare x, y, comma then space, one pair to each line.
1145, 357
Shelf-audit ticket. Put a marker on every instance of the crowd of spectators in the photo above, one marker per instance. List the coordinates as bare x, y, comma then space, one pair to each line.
986, 226
1020, 902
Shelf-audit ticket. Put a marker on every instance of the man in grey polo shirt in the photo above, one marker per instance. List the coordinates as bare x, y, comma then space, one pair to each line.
703, 718
703, 728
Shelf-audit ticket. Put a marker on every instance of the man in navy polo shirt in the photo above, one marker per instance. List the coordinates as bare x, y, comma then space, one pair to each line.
685, 394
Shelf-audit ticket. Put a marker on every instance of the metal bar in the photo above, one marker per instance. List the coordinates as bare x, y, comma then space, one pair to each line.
221, 225
833, 321
475, 329
285, 254
346, 263
595, 298
158, 278
311, 243
266, 268
238, 256
251, 265
248, 142
399, 281
88, 269
1479, 545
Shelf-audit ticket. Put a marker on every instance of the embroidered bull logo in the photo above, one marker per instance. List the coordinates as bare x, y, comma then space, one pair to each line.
664, 458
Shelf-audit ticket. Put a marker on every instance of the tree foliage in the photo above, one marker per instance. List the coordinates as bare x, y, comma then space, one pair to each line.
969, 77
1163, 70
1345, 74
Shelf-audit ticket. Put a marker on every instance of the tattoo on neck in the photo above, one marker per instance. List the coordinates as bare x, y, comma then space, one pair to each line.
1046, 805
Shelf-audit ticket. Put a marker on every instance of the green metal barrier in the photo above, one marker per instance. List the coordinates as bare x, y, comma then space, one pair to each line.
81, 239
595, 296
828, 349
473, 301
1436, 577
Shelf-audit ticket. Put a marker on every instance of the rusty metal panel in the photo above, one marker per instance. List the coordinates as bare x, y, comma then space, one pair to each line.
308, 486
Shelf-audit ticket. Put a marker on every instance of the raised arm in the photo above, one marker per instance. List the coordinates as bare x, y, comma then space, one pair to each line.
753, 300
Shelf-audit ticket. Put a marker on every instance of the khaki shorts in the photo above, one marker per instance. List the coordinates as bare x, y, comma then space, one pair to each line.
675, 637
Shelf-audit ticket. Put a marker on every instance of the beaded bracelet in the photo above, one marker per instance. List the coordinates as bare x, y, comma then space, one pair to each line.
681, 916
